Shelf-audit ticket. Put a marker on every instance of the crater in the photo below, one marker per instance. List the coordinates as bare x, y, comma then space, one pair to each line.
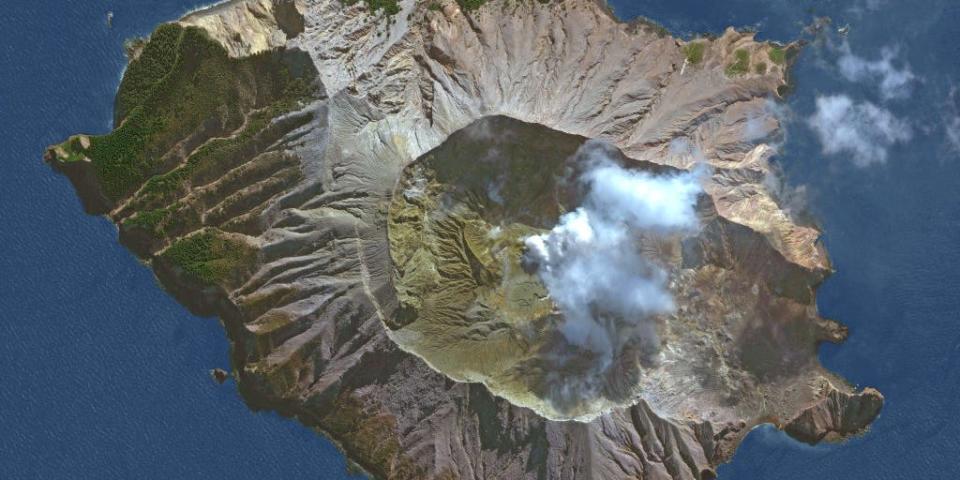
471, 303
456, 226
475, 307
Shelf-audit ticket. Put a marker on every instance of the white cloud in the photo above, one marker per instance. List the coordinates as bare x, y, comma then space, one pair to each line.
862, 130
892, 82
590, 261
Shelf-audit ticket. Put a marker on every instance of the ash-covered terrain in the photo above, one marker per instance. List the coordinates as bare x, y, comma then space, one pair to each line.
508, 240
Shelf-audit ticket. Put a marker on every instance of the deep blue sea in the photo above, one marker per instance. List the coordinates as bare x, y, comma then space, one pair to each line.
103, 375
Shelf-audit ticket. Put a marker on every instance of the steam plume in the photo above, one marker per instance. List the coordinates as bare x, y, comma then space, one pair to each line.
591, 261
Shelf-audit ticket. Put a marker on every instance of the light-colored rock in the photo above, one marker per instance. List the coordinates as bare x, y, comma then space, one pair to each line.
243, 28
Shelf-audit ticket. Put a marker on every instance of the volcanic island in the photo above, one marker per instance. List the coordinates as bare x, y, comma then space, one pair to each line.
476, 239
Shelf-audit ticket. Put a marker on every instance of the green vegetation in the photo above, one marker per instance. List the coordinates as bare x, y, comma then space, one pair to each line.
694, 52
171, 220
760, 68
469, 5
741, 65
156, 59
210, 256
434, 7
778, 55
389, 7
184, 86
71, 150
153, 221
218, 154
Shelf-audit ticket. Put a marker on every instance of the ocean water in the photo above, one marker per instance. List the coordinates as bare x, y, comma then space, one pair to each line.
103, 375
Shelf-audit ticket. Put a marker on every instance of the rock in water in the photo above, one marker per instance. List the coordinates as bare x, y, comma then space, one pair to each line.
219, 374
348, 190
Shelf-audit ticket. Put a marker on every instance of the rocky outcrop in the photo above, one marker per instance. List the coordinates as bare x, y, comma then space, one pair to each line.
836, 416
248, 28
299, 265
219, 374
